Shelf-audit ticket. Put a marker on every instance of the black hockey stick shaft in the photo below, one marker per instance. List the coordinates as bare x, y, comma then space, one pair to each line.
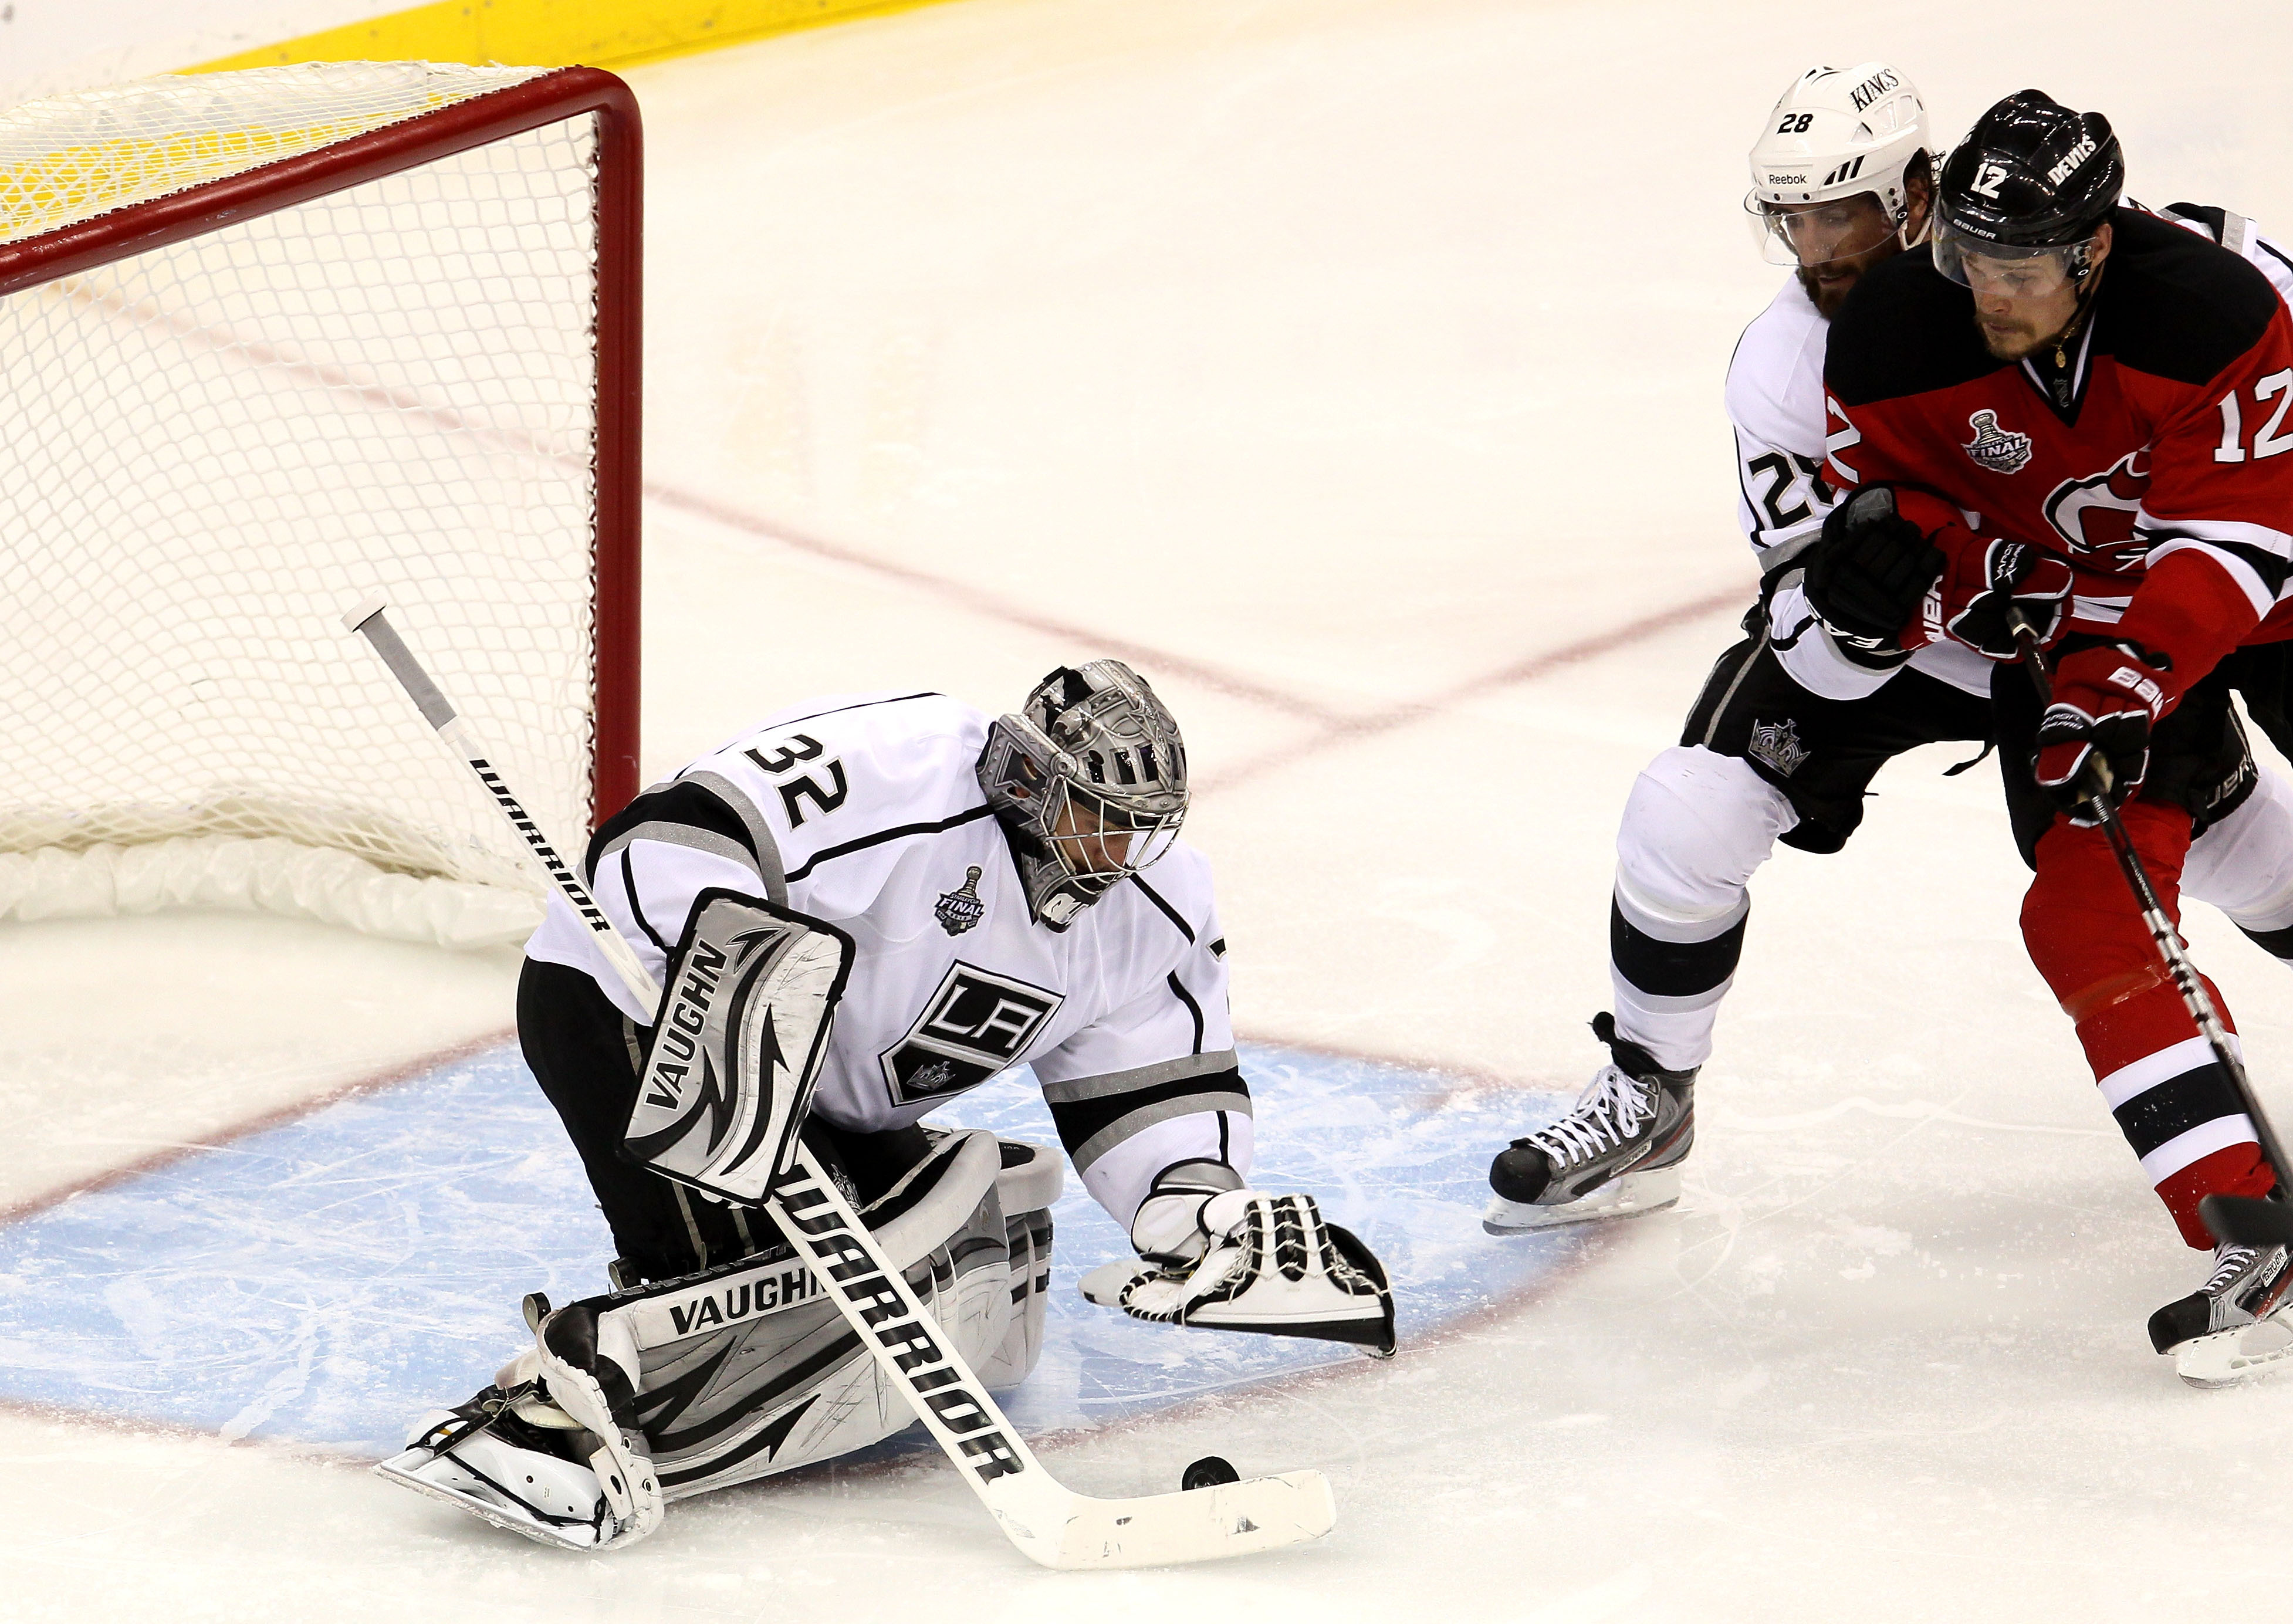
2223, 1214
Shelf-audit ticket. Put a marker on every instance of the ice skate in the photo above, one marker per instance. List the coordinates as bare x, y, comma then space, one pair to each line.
2234, 1326
1616, 1155
515, 1459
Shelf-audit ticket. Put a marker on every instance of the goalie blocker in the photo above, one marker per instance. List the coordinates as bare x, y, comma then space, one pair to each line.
750, 1002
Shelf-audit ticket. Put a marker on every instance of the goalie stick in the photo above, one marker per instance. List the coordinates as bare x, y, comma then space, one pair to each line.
2241, 1220
1051, 1524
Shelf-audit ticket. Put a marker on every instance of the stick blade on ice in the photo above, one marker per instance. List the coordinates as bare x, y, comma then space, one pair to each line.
1063, 1530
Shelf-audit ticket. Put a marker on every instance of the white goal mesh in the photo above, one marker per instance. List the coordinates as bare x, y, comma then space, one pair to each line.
208, 450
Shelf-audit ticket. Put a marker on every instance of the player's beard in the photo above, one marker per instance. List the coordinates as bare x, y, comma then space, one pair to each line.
2008, 341
2011, 341
1828, 293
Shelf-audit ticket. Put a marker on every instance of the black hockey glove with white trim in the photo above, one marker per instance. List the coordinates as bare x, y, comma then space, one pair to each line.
2093, 741
1869, 574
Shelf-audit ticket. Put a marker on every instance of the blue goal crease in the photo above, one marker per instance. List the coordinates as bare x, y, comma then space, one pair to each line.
326, 1280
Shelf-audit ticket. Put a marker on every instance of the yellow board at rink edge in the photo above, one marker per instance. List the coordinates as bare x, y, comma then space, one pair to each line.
555, 33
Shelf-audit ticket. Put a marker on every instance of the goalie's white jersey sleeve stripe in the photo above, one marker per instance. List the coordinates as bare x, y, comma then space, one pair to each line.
866, 811
1124, 1119
1115, 1084
665, 833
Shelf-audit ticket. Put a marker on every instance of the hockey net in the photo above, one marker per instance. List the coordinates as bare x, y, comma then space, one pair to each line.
271, 341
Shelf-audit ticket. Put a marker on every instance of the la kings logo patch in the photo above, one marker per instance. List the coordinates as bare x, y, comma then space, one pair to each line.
976, 1024
1778, 744
2000, 450
960, 909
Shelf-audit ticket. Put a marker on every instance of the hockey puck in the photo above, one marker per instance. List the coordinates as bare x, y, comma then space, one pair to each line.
1208, 1473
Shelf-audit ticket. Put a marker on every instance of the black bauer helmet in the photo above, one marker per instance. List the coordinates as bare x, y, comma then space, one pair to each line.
2031, 182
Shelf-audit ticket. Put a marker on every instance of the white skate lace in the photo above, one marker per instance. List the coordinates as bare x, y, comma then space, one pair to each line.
1605, 1116
2229, 1263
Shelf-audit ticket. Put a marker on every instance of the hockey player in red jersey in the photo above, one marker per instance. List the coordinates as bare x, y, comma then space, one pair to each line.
1783, 742
2080, 406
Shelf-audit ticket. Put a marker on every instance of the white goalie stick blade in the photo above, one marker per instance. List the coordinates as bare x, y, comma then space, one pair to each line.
1625, 1196
1061, 1528
752, 993
2225, 1358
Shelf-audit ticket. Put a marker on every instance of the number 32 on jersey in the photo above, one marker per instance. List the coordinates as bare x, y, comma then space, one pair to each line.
794, 793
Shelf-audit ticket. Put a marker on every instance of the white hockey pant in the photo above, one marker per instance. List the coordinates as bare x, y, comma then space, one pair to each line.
1697, 826
2243, 865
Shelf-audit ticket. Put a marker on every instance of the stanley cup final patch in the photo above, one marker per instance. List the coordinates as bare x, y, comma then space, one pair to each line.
960, 909
2000, 450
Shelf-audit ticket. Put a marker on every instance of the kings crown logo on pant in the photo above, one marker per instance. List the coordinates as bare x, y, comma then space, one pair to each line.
1778, 744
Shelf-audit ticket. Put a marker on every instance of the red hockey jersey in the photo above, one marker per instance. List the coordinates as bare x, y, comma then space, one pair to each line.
2153, 458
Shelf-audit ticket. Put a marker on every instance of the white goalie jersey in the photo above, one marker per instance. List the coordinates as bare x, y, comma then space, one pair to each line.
866, 811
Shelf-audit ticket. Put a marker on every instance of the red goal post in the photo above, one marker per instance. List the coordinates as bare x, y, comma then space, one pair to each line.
269, 340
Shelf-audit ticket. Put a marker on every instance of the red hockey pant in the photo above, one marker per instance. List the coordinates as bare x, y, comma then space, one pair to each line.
2171, 1097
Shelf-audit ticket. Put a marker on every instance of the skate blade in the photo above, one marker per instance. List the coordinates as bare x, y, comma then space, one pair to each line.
438, 1477
1625, 1197
2225, 1358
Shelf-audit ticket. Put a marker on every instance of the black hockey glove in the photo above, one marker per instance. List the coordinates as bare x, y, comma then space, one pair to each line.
1869, 574
2093, 741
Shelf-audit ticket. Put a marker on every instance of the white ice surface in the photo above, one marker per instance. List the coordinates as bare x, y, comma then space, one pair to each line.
1344, 361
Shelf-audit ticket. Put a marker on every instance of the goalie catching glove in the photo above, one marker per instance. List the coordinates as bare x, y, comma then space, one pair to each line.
1236, 1259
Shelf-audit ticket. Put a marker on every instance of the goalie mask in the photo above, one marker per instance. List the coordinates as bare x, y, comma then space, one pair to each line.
1088, 778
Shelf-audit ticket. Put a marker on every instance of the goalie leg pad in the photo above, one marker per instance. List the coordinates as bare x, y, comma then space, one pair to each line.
1026, 1188
742, 1371
749, 1370
737, 1044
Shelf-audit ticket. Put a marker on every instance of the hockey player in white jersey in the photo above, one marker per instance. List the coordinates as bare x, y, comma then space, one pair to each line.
1794, 722
988, 892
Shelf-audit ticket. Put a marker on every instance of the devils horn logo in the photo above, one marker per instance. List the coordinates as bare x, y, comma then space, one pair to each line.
960, 909
2097, 515
2000, 450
